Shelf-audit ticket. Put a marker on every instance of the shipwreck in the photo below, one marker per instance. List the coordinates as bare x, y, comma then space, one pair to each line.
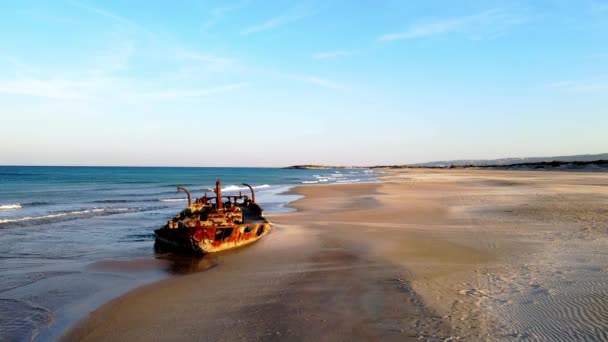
214, 223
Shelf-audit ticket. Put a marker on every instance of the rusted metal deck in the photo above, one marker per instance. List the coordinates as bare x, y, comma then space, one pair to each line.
213, 224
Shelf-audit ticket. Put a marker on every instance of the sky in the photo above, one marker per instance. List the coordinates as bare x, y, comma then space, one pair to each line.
277, 83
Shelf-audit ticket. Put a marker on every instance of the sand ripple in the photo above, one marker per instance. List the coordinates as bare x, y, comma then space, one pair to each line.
560, 295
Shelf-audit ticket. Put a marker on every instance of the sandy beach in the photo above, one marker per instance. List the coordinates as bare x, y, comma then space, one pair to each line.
422, 254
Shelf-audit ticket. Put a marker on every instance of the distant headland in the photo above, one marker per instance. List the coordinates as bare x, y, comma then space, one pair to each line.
585, 162
316, 167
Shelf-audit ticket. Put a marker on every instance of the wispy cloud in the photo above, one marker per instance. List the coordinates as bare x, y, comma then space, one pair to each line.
490, 23
193, 64
318, 81
19, 68
580, 86
103, 80
219, 13
172, 94
188, 55
331, 54
114, 59
69, 83
112, 16
90, 88
47, 88
284, 19
559, 84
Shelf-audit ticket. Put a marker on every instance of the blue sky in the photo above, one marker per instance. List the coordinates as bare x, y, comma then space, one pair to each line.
272, 83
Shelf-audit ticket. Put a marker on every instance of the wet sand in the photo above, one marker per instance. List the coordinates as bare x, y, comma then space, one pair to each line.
423, 254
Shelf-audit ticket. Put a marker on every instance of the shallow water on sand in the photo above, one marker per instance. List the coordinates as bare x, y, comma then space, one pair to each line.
74, 237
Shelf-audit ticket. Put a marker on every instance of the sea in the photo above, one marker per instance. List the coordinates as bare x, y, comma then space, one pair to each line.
72, 238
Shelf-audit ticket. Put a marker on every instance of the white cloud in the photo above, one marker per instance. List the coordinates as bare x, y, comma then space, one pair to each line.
187, 55
196, 64
321, 82
580, 86
66, 89
114, 59
219, 13
99, 81
490, 23
287, 18
331, 54
18, 67
559, 84
114, 17
171, 94
48, 88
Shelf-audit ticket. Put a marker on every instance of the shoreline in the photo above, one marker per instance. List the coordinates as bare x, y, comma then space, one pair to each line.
440, 244
283, 238
133, 273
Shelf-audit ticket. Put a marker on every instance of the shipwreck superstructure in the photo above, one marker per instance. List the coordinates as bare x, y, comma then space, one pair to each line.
214, 223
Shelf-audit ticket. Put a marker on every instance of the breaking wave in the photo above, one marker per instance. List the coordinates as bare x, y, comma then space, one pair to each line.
21, 205
10, 206
238, 188
65, 214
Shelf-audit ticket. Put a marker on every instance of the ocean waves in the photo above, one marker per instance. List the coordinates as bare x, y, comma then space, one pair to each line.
341, 177
21, 205
10, 206
240, 188
72, 196
67, 215
57, 219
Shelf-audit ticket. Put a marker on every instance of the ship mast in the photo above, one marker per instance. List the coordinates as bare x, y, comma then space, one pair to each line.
218, 192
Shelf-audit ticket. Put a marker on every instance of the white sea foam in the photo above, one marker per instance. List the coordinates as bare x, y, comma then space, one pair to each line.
10, 206
348, 181
310, 182
173, 199
240, 188
70, 213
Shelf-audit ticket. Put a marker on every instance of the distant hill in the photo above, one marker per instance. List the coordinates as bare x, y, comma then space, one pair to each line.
582, 162
511, 161
313, 167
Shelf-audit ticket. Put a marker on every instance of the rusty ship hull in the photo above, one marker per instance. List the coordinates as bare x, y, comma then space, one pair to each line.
214, 224
211, 240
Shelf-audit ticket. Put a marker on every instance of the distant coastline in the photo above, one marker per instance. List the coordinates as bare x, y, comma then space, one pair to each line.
595, 165
552, 165
320, 167
587, 162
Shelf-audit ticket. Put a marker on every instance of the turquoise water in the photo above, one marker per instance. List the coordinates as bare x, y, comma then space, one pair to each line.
55, 222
